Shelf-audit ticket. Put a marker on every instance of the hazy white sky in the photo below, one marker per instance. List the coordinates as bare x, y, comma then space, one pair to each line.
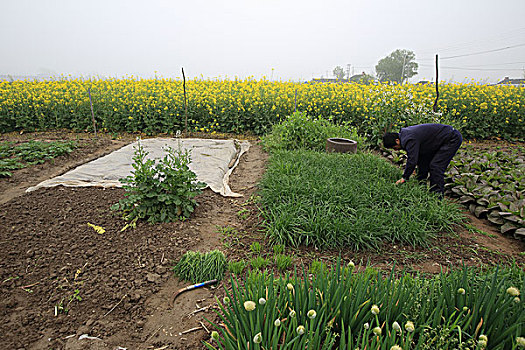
279, 39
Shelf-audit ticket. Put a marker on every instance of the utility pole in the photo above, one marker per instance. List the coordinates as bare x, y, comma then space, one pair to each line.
403, 69
434, 108
348, 71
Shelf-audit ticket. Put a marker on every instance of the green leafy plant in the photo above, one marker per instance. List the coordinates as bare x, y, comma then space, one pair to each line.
282, 262
258, 262
236, 267
491, 183
255, 247
159, 192
317, 267
300, 131
63, 307
243, 213
229, 235
278, 249
197, 267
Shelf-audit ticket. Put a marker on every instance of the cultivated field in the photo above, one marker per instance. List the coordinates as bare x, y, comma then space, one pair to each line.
323, 251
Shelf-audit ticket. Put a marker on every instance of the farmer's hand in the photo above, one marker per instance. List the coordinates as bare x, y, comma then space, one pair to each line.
400, 181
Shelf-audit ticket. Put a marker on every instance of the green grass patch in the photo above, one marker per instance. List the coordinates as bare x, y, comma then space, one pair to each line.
236, 267
259, 262
335, 200
197, 267
282, 261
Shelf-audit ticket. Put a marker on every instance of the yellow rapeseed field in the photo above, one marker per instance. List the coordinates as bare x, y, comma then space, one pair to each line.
249, 105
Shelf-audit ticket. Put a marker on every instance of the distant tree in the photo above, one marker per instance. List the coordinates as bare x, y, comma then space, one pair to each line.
398, 66
339, 73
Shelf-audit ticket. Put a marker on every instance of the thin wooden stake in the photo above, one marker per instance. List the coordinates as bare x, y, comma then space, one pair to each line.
437, 89
295, 100
185, 103
92, 113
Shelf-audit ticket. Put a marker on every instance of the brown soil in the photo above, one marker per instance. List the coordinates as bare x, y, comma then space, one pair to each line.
117, 285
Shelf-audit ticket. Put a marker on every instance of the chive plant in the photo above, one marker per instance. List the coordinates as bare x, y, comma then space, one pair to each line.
339, 308
197, 267
335, 200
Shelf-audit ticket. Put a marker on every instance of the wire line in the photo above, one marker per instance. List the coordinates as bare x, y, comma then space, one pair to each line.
482, 52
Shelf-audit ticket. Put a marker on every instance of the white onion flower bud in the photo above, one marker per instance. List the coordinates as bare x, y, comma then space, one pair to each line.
513, 291
292, 313
396, 347
409, 326
377, 331
311, 314
215, 335
289, 286
258, 338
396, 326
249, 305
366, 326
277, 322
520, 341
262, 301
461, 291
300, 330
375, 309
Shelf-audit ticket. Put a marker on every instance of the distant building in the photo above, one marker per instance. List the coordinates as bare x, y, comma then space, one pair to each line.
328, 80
358, 78
11, 78
425, 82
512, 82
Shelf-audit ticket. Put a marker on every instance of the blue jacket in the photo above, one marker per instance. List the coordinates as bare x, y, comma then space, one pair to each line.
421, 141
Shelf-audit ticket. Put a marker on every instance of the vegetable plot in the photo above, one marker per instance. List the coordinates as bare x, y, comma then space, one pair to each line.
13, 157
336, 200
492, 184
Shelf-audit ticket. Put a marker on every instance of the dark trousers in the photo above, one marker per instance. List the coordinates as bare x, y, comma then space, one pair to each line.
437, 163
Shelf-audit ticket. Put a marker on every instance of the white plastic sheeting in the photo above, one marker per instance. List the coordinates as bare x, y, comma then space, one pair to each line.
211, 160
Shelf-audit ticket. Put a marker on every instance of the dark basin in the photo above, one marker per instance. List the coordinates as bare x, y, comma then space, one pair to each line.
340, 145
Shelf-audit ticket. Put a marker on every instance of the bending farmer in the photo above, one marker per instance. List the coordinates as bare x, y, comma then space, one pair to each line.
429, 146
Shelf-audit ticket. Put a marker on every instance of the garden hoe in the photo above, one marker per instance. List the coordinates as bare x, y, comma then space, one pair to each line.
191, 287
